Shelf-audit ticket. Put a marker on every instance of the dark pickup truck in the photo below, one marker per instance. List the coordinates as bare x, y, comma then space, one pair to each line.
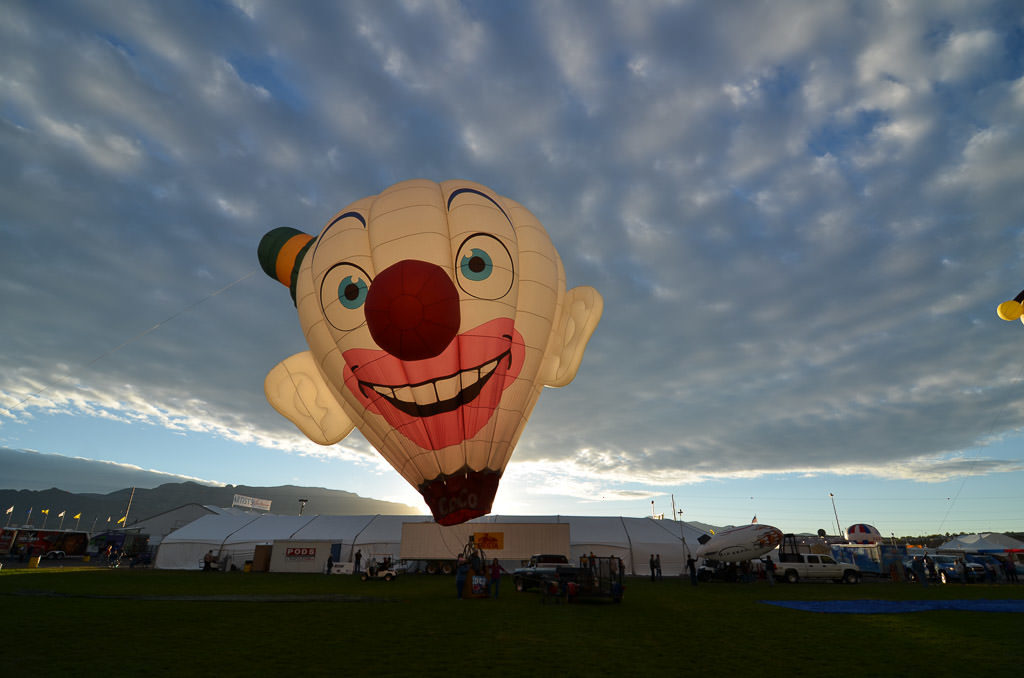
602, 577
541, 567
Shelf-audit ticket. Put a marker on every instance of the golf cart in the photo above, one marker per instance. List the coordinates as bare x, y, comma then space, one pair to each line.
380, 567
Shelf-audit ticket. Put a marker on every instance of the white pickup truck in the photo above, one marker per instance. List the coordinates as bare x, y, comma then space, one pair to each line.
814, 566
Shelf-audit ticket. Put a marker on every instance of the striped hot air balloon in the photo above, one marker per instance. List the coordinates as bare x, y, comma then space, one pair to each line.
863, 534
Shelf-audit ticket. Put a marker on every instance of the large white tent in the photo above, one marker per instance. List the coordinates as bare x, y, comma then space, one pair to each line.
985, 542
234, 538
183, 549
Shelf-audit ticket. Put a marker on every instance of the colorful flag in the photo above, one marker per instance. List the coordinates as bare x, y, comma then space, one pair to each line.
754, 519
45, 512
121, 519
77, 516
61, 514
10, 510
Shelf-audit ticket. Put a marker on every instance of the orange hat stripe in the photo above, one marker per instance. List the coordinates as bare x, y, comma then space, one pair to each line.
286, 257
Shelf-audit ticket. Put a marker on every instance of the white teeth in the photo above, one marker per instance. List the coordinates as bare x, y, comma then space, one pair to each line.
424, 393
440, 390
448, 388
488, 368
403, 393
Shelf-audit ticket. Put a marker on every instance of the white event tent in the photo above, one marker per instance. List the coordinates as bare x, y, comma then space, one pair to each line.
233, 539
985, 542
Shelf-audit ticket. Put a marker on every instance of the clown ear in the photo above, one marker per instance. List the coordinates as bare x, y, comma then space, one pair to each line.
581, 312
296, 390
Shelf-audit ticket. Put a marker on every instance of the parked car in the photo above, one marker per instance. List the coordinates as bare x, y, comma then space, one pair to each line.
815, 566
946, 569
540, 567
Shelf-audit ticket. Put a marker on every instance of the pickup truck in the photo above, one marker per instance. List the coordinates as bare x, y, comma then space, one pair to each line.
540, 567
814, 566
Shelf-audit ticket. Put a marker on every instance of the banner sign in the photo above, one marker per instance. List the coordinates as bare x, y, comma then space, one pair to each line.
303, 553
489, 541
251, 502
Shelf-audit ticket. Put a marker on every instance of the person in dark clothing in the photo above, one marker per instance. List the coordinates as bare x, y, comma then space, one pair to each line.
691, 565
461, 572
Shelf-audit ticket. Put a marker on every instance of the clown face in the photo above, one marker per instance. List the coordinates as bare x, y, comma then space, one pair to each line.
435, 314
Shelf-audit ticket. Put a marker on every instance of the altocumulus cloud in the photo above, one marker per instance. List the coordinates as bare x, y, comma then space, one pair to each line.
800, 214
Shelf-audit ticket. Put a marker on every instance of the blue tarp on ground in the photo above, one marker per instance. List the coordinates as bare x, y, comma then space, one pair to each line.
897, 606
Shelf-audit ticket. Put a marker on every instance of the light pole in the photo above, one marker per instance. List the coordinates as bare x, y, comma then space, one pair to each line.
838, 527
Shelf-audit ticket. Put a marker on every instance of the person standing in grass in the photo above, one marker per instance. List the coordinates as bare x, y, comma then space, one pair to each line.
461, 570
496, 570
691, 565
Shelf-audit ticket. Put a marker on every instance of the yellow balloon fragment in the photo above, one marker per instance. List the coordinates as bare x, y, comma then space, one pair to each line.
1009, 310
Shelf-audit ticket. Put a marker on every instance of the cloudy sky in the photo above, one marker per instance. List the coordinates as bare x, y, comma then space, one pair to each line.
801, 217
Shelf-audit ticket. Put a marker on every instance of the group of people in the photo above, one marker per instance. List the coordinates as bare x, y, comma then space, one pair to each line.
922, 568
655, 566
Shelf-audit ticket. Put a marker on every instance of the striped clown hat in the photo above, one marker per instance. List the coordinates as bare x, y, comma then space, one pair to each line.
280, 253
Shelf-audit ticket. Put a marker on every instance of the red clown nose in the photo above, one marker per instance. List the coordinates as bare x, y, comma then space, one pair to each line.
412, 310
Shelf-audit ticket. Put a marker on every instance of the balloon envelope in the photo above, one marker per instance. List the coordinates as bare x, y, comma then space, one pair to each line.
435, 314
863, 534
741, 543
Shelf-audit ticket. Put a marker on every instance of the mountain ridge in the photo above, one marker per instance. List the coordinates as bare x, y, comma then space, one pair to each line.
98, 510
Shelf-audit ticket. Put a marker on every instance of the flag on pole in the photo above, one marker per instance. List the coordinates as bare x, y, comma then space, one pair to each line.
121, 519
754, 519
61, 514
77, 516
10, 510
45, 512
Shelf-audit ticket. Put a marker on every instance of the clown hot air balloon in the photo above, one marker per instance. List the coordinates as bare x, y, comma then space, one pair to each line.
434, 314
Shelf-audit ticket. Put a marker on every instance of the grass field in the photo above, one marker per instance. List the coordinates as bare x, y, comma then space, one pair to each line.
85, 621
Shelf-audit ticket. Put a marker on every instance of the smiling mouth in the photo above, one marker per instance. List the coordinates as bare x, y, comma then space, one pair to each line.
440, 395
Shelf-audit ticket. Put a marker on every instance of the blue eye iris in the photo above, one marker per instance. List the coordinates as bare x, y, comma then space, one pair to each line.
476, 265
352, 293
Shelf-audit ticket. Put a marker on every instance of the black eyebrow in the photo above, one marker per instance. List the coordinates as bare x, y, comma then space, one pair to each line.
357, 215
319, 238
459, 191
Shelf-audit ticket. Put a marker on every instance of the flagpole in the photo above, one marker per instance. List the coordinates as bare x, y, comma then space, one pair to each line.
128, 510
10, 514
62, 519
46, 513
77, 520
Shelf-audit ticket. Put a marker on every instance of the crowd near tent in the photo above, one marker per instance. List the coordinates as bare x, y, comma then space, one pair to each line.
238, 539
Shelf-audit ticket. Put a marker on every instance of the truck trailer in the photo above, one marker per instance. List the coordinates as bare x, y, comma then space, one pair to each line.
436, 548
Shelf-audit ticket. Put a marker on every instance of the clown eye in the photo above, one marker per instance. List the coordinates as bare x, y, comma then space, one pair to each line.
352, 293
484, 267
476, 265
343, 292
